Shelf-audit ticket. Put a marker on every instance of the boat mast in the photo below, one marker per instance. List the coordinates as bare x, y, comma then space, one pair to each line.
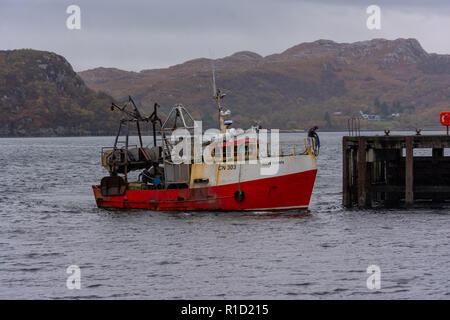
218, 96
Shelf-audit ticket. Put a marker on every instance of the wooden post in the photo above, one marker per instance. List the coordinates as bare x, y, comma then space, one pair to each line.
368, 184
346, 200
354, 176
438, 153
409, 172
362, 172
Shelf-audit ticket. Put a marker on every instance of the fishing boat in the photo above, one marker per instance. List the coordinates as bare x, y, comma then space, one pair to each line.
227, 170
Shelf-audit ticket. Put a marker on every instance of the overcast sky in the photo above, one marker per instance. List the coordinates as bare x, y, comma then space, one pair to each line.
136, 35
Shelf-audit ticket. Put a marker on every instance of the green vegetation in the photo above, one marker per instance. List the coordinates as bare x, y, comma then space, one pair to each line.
40, 94
385, 109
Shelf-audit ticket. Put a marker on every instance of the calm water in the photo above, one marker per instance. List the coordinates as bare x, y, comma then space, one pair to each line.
49, 220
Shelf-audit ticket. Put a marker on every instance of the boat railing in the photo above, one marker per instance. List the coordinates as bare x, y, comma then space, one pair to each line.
285, 148
297, 147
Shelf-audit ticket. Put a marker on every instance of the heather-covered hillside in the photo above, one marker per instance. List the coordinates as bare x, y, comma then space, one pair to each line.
321, 82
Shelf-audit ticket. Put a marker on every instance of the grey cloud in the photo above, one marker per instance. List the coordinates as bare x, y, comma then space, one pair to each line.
137, 35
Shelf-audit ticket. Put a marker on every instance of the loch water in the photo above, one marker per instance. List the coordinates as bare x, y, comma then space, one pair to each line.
49, 221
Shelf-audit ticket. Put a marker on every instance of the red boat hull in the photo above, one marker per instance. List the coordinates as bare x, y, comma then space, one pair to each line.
291, 191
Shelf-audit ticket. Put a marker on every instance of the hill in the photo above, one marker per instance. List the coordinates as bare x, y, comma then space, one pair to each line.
321, 82
41, 95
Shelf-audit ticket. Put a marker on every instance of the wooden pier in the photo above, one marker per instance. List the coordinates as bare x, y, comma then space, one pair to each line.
384, 170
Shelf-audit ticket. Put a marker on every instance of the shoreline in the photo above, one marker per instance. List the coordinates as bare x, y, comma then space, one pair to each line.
281, 131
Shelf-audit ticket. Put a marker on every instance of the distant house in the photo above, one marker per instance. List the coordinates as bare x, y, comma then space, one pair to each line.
370, 117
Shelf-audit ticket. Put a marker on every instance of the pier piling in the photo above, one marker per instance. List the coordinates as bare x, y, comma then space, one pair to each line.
409, 172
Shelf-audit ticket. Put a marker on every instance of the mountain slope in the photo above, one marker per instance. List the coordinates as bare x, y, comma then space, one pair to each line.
321, 82
40, 94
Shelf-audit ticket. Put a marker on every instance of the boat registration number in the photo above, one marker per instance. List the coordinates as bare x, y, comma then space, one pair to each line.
227, 167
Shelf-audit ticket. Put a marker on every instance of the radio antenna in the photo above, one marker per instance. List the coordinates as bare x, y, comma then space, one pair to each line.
213, 69
218, 96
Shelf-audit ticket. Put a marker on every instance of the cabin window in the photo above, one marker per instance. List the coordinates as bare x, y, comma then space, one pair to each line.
218, 154
239, 152
245, 150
